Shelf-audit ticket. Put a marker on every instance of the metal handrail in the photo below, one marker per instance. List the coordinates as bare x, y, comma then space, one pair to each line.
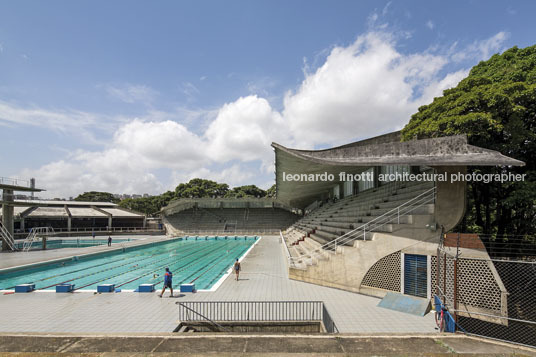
107, 229
257, 311
7, 237
204, 317
15, 182
375, 223
34, 233
222, 232
285, 244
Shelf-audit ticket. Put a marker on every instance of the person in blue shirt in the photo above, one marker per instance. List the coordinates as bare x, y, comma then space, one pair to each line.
168, 283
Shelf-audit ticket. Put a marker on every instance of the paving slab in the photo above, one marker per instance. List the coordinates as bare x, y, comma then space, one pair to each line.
263, 278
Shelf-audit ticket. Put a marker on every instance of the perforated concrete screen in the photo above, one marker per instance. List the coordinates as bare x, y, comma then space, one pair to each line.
385, 273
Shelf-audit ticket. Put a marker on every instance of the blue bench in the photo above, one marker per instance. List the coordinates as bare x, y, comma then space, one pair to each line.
64, 288
24, 288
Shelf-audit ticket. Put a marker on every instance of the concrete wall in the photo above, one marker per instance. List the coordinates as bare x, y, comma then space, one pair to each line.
347, 270
450, 198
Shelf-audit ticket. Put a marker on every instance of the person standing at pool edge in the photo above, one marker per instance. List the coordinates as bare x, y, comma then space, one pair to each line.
109, 241
237, 268
168, 277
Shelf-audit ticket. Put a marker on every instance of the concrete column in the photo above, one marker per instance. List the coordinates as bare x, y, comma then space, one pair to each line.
376, 172
69, 223
7, 216
110, 222
144, 221
22, 224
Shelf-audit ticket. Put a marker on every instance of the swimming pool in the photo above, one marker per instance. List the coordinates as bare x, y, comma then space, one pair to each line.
70, 243
199, 260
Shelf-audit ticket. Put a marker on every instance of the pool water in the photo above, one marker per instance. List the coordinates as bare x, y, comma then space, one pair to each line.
198, 260
70, 243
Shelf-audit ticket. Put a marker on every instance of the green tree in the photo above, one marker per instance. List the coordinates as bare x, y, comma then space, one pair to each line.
94, 196
246, 191
495, 106
199, 188
271, 192
148, 205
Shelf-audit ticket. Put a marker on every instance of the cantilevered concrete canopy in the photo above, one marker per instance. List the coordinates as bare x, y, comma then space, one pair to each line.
379, 151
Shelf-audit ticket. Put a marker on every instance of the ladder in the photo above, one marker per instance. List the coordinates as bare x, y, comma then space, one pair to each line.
7, 237
34, 235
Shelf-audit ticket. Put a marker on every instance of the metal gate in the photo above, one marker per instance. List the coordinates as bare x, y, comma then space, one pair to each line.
415, 275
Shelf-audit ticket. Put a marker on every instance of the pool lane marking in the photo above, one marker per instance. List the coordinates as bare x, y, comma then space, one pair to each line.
190, 262
243, 249
203, 267
115, 267
189, 265
91, 267
136, 268
230, 270
128, 259
183, 267
224, 269
128, 271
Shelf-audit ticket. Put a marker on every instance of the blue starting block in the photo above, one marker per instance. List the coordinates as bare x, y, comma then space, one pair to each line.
64, 288
106, 288
24, 288
146, 288
187, 288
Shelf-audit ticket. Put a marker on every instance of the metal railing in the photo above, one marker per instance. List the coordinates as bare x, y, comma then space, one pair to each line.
106, 229
287, 252
7, 237
15, 182
328, 322
35, 234
257, 311
204, 318
390, 217
226, 233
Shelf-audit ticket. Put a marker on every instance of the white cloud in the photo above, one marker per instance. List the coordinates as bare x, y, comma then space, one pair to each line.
72, 122
189, 90
131, 93
126, 165
364, 89
430, 24
244, 129
361, 90
482, 50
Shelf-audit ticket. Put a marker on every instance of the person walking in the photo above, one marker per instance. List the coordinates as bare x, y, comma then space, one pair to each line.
109, 241
237, 269
168, 283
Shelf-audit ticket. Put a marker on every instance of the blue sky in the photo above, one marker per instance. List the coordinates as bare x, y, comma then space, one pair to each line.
135, 97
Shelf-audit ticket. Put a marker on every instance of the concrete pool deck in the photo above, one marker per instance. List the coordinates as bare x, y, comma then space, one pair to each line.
263, 278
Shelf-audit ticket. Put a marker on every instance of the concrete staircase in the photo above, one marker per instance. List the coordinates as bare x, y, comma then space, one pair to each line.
388, 209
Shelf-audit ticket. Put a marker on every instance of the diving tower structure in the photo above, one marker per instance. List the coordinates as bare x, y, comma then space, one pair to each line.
9, 186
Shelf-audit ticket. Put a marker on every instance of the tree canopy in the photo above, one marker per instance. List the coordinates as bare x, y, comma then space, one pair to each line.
246, 191
195, 188
199, 188
495, 106
95, 196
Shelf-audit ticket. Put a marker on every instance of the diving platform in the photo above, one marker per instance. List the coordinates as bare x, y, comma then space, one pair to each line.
7, 198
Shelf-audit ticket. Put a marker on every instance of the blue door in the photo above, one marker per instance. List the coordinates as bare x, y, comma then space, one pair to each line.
415, 275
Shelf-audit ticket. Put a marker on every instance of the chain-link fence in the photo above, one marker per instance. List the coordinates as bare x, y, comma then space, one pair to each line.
489, 297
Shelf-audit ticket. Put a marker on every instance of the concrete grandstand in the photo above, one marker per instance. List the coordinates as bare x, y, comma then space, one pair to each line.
227, 216
377, 236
